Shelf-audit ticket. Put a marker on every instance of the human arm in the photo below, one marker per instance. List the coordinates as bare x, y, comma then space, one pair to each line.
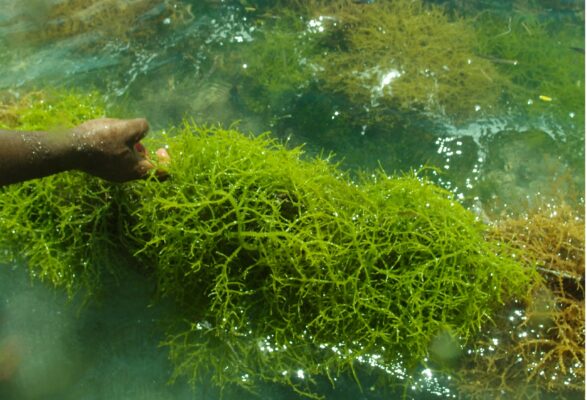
101, 147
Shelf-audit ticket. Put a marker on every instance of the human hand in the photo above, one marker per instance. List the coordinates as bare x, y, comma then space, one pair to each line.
111, 149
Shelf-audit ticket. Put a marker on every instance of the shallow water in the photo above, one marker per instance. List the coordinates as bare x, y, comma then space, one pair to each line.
169, 60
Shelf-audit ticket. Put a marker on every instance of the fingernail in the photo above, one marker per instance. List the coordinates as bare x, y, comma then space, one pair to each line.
139, 148
162, 155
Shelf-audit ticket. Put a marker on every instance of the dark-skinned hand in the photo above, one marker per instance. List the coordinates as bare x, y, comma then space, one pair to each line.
111, 149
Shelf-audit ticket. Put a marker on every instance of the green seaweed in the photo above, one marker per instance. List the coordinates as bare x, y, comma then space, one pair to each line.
49, 109
540, 58
403, 54
258, 245
410, 56
278, 263
383, 60
276, 64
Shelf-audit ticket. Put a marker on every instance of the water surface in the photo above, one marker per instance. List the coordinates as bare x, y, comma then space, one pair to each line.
169, 60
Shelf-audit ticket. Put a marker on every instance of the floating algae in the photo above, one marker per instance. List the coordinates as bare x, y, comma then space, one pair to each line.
279, 264
277, 65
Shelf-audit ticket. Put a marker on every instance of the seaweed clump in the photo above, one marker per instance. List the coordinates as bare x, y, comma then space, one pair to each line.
544, 348
406, 55
379, 61
284, 269
283, 265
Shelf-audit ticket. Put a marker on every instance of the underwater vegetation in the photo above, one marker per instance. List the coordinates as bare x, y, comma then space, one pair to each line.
542, 58
276, 65
543, 350
471, 7
383, 59
517, 159
386, 58
407, 55
47, 21
48, 109
284, 269
288, 259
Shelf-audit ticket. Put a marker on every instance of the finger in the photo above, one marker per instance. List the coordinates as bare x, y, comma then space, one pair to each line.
143, 167
135, 130
163, 156
163, 160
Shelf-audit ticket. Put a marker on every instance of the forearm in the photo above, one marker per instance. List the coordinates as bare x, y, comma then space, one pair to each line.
107, 148
29, 155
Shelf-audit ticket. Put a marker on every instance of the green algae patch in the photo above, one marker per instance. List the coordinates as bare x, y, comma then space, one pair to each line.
62, 233
403, 54
47, 110
382, 60
278, 64
283, 264
543, 59
284, 269
96, 19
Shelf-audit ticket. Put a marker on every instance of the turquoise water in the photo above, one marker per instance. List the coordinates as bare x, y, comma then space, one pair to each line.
168, 60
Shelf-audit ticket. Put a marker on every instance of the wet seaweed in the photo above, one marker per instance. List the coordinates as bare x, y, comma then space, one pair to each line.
284, 268
543, 350
407, 55
538, 56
